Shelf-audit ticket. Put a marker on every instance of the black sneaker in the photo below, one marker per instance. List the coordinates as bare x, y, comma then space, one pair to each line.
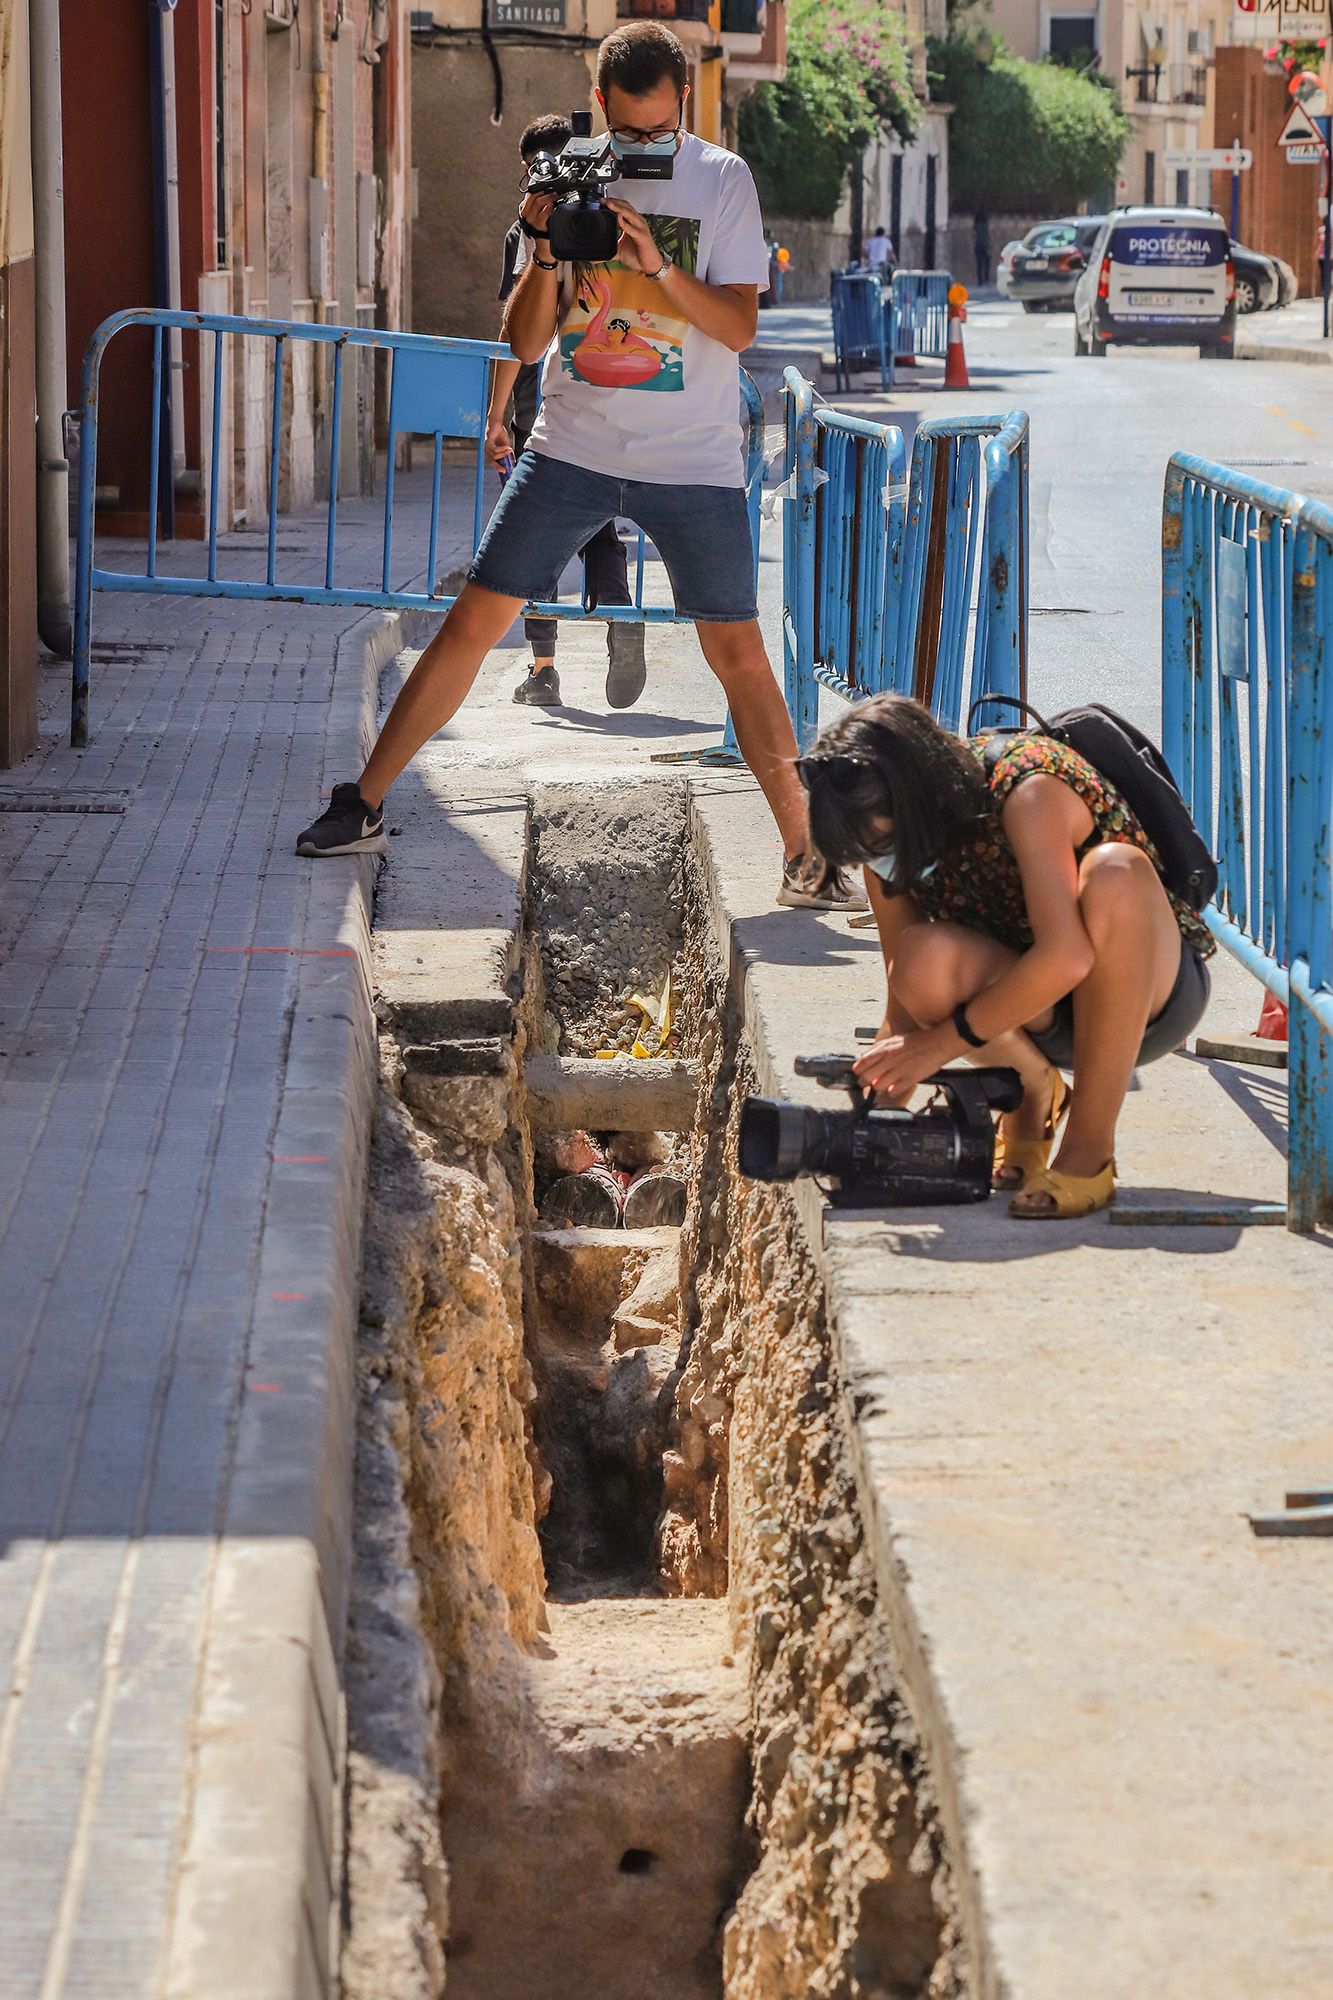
627, 672
347, 826
541, 689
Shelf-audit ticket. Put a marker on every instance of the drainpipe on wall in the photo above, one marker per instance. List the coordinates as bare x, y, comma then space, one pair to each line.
171, 166
54, 620
166, 245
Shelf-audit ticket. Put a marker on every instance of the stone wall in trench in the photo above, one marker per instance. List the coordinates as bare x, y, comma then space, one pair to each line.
447, 1567
851, 1896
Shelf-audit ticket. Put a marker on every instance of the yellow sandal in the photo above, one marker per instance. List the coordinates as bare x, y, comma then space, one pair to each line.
1071, 1194
1026, 1157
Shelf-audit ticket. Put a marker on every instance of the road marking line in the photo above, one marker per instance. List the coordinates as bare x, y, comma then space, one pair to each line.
1273, 410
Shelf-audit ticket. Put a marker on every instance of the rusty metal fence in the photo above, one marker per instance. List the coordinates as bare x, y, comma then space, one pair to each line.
1247, 658
896, 581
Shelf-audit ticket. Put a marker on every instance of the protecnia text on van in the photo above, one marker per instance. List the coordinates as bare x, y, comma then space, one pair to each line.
1158, 277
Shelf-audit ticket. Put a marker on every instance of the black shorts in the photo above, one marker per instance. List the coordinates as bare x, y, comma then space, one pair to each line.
1163, 1035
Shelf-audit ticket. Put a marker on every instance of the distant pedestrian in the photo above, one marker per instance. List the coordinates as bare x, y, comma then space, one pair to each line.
981, 245
880, 253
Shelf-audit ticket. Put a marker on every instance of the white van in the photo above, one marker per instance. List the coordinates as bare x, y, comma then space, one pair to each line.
1158, 277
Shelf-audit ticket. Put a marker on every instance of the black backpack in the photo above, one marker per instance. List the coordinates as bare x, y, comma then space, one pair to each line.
1131, 762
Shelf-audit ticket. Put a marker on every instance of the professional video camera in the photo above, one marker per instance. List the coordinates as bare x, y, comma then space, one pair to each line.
583, 229
882, 1158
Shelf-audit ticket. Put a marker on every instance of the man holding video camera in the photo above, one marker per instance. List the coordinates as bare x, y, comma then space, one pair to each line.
640, 417
512, 412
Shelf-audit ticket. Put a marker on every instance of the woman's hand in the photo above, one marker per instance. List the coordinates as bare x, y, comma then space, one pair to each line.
636, 249
893, 1066
498, 443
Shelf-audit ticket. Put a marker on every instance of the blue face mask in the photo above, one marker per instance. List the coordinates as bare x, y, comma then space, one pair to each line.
885, 865
657, 154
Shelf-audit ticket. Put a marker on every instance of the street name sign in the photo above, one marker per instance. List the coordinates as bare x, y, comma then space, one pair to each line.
1218, 159
527, 13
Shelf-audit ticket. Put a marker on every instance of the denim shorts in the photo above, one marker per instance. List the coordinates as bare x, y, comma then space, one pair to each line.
1165, 1032
549, 510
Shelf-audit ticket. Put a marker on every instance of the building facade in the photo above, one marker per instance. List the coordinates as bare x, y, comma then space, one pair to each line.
238, 156
18, 397
1158, 54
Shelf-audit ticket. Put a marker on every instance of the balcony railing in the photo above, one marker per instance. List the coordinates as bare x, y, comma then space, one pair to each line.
1169, 83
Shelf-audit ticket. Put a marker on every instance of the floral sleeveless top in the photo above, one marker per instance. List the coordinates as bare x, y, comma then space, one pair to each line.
978, 883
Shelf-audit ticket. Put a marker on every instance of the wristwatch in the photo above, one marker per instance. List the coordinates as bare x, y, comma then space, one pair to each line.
661, 271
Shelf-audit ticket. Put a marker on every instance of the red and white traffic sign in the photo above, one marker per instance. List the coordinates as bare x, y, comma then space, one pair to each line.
1299, 134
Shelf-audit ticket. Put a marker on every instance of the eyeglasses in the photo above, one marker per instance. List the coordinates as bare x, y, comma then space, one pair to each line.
841, 770
634, 135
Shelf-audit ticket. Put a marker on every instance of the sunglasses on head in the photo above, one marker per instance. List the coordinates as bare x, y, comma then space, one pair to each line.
840, 770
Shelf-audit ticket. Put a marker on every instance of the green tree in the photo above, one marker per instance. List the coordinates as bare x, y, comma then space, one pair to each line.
1024, 137
848, 78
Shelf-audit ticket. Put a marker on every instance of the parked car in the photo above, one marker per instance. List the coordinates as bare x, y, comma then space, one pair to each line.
1046, 265
1158, 277
1258, 285
1004, 268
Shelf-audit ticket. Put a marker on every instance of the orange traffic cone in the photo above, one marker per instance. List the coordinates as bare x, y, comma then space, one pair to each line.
955, 361
1272, 1020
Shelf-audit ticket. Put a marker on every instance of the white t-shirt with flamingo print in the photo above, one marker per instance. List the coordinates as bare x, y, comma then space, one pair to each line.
629, 388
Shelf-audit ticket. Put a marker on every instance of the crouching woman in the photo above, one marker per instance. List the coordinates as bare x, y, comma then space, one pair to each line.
1024, 920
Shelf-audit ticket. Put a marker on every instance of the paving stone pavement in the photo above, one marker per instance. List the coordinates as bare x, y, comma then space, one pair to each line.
186, 1068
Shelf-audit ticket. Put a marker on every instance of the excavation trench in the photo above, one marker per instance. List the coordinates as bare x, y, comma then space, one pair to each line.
623, 1712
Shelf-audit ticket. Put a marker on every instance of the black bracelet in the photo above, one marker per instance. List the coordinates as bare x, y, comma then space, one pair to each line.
542, 264
964, 1027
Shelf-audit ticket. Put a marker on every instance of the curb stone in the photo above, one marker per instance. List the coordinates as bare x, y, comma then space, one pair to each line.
258, 1906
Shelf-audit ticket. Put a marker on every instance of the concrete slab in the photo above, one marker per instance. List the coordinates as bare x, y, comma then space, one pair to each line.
1062, 1428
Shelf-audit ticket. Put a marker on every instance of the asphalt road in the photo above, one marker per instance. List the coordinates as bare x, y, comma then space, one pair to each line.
1101, 437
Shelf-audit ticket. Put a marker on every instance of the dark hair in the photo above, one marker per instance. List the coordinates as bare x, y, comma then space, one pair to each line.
639, 56
888, 758
545, 135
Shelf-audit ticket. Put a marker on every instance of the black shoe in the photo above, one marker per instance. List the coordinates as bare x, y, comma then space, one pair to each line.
347, 826
541, 689
627, 672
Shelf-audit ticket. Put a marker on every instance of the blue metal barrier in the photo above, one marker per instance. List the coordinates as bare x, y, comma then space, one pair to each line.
910, 586
437, 389
917, 315
877, 326
1247, 727
856, 300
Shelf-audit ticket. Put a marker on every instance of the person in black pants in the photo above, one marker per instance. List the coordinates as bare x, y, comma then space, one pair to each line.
515, 394
981, 245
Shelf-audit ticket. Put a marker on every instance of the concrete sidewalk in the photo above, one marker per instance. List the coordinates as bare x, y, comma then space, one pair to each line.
186, 1076
1062, 1427
1290, 333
